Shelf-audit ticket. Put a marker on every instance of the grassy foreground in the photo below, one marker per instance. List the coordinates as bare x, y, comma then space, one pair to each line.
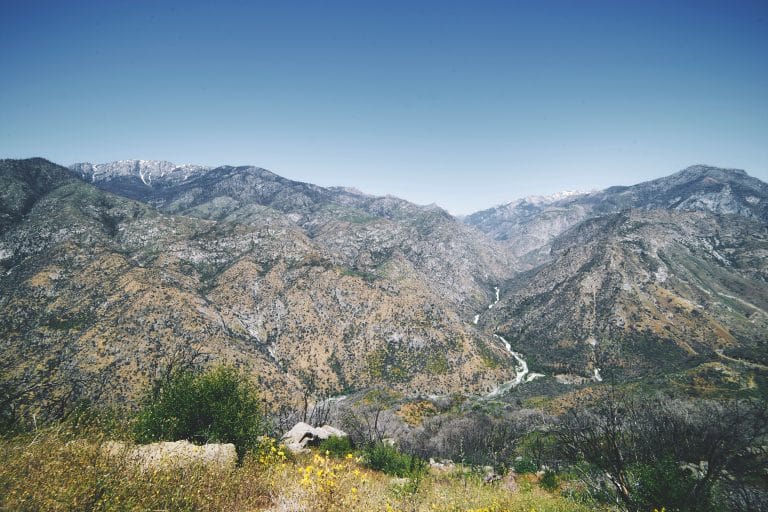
57, 469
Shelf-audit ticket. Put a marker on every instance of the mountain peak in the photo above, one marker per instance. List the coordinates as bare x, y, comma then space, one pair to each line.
528, 225
701, 170
704, 168
552, 198
144, 170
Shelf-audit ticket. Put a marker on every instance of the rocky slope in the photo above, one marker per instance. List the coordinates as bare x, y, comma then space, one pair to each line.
528, 226
111, 272
642, 291
367, 234
100, 291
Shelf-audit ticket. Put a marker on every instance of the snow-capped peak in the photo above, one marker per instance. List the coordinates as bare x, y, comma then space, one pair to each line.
144, 170
557, 196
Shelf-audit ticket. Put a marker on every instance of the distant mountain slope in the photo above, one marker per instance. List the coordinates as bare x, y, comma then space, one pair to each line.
368, 234
20, 189
529, 225
98, 291
662, 288
134, 171
108, 271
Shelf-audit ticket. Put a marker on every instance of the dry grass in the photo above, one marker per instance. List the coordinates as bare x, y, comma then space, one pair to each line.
55, 470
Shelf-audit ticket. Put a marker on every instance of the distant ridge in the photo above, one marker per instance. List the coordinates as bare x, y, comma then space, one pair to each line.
529, 226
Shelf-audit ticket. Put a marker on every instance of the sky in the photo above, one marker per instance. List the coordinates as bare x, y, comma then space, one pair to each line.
465, 104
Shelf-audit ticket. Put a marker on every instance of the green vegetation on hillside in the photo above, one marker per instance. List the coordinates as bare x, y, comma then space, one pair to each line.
216, 406
616, 451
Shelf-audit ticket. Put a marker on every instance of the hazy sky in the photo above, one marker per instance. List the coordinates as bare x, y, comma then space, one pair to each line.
466, 104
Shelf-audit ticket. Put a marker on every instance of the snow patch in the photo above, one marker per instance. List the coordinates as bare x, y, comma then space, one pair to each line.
557, 196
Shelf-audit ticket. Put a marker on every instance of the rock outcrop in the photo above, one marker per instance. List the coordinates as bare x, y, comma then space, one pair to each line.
173, 455
303, 435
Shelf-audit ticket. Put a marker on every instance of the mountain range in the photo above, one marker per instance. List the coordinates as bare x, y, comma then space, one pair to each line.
111, 272
529, 225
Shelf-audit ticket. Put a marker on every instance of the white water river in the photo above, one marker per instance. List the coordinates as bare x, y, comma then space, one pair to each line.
522, 374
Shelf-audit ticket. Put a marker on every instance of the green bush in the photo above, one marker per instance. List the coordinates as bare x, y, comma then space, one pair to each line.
218, 405
549, 480
336, 446
666, 485
525, 465
389, 460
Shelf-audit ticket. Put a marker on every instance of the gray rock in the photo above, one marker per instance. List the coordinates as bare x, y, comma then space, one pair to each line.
443, 465
173, 455
303, 435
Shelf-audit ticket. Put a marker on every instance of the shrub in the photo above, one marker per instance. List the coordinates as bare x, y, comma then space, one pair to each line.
640, 445
218, 405
269, 453
336, 446
549, 480
541, 448
389, 460
664, 485
474, 438
525, 465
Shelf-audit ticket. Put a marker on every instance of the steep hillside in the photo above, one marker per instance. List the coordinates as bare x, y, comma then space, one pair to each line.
112, 272
100, 291
651, 290
20, 189
528, 226
365, 233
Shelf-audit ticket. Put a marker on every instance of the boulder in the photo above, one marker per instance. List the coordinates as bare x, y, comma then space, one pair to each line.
327, 431
303, 435
443, 466
176, 454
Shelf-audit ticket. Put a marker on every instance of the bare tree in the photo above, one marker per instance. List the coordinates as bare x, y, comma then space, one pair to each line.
474, 438
181, 357
663, 452
365, 421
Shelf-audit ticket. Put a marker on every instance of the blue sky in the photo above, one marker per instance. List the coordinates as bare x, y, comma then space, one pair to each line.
466, 104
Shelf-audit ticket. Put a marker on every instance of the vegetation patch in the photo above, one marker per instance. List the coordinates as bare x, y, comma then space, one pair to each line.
414, 413
218, 405
336, 446
365, 275
386, 458
437, 364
